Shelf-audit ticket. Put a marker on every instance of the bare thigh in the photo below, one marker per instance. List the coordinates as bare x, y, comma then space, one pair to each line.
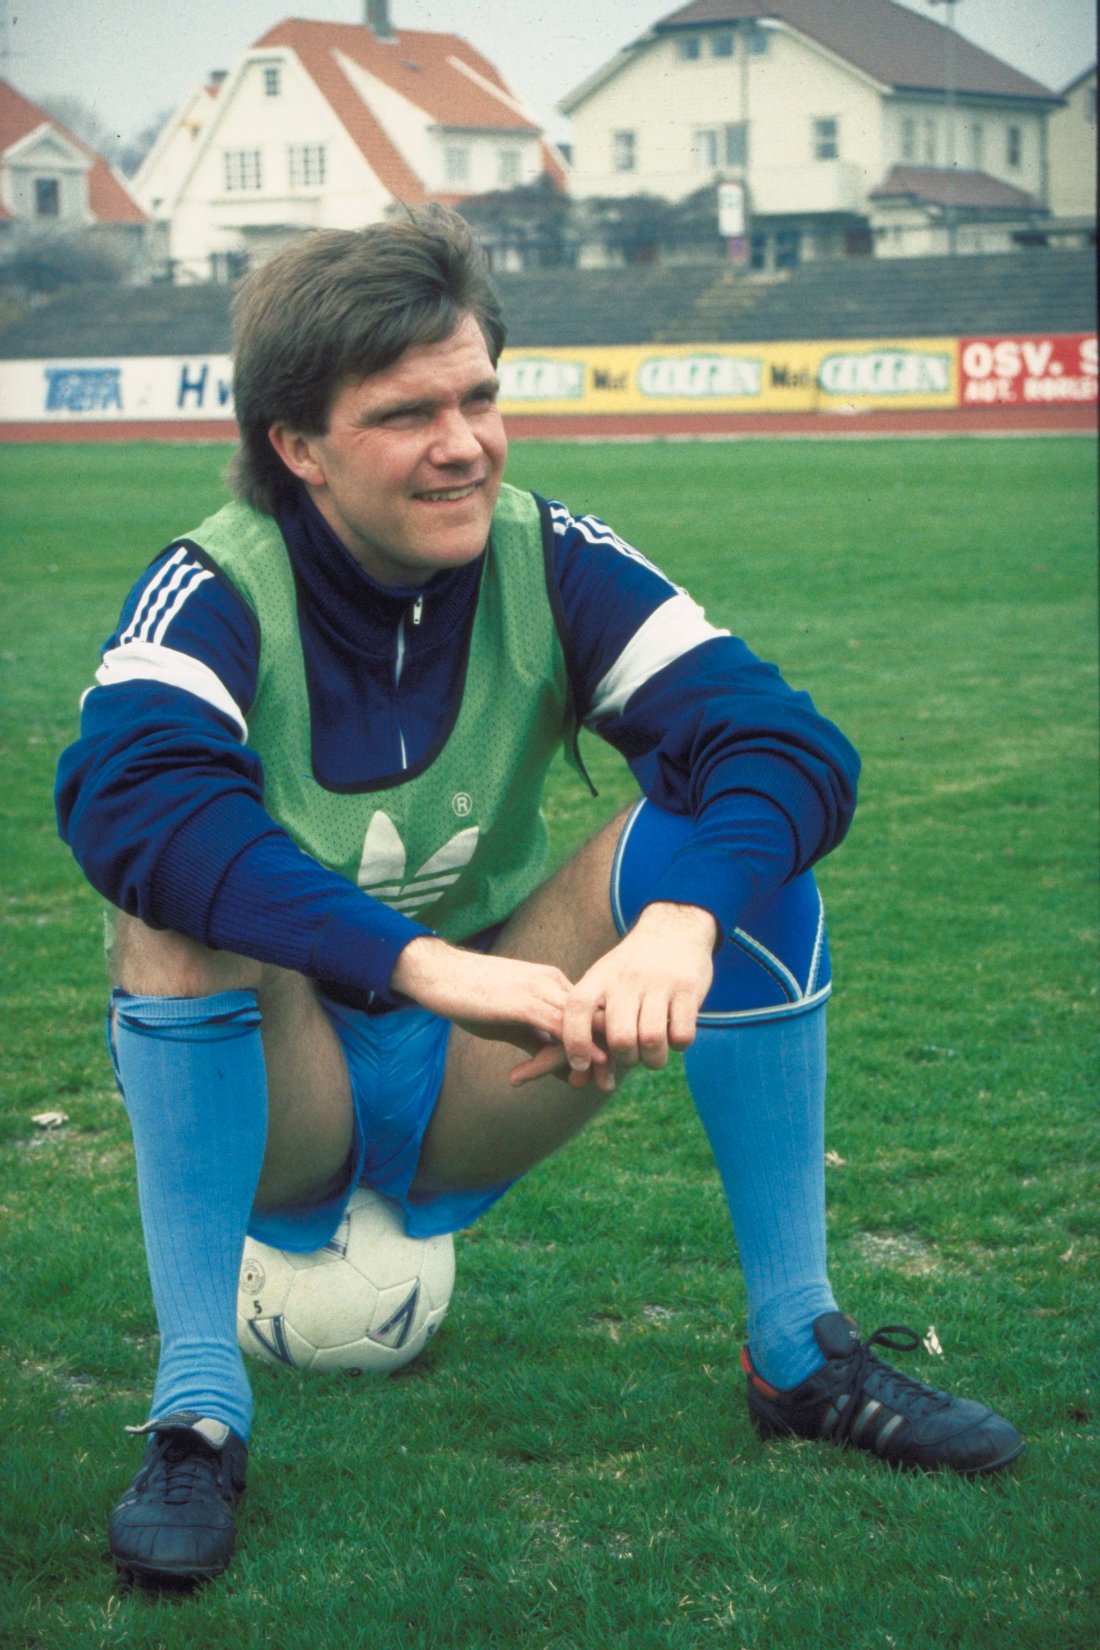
309, 1131
484, 1130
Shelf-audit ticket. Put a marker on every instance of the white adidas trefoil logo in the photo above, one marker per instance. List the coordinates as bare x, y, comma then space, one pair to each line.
382, 867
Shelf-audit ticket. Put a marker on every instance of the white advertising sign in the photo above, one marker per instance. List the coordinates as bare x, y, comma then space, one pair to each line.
119, 390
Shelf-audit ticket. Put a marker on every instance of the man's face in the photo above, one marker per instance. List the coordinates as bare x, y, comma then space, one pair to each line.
409, 469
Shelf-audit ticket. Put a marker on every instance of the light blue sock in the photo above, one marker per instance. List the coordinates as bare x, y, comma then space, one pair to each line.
192, 1075
759, 1088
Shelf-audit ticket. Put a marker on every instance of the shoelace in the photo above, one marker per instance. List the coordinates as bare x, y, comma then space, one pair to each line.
895, 1337
184, 1466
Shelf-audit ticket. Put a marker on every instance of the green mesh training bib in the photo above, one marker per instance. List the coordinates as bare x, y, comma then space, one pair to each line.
460, 844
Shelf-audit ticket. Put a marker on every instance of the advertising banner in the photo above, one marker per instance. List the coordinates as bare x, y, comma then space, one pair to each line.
849, 376
121, 390
663, 378
1027, 372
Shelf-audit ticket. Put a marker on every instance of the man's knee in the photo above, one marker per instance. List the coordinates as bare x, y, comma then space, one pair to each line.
157, 962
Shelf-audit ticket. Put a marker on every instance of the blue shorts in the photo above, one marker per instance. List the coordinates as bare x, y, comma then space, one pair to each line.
395, 1064
772, 967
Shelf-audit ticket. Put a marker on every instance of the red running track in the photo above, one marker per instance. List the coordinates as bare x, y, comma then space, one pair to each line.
1079, 419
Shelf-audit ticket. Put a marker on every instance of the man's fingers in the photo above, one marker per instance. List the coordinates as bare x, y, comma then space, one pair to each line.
654, 1028
552, 1061
621, 1031
547, 1061
682, 1021
577, 1028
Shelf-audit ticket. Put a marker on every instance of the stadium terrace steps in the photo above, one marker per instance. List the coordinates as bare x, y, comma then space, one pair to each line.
1041, 291
1035, 291
106, 321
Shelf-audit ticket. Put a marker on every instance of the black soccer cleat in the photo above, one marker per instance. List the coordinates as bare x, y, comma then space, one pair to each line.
858, 1401
174, 1524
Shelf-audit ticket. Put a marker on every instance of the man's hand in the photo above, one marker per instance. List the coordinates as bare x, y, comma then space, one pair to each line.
635, 1003
499, 998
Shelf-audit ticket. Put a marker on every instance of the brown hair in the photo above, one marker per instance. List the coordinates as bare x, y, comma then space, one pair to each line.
335, 307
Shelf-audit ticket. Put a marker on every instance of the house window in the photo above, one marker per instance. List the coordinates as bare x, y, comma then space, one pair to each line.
508, 168
826, 138
704, 148
688, 47
624, 151
1014, 148
307, 165
242, 169
271, 80
757, 40
788, 248
226, 267
930, 143
47, 198
721, 45
909, 138
456, 163
977, 146
737, 143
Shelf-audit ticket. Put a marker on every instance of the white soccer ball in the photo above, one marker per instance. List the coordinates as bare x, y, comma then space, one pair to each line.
366, 1303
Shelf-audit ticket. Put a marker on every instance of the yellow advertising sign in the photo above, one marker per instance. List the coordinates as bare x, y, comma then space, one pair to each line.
841, 376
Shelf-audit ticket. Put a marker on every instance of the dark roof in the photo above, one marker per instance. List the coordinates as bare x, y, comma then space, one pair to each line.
895, 46
940, 187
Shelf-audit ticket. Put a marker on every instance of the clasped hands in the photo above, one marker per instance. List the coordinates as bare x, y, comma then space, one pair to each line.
633, 1005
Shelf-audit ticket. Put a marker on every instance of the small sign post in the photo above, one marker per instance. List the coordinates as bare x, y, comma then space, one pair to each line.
732, 225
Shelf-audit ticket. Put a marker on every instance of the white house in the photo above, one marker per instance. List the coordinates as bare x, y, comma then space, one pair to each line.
329, 125
853, 125
53, 184
1073, 152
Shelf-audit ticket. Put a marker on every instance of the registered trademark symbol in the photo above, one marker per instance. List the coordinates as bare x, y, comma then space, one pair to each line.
462, 803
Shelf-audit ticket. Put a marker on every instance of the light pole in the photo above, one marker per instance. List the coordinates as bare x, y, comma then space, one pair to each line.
950, 78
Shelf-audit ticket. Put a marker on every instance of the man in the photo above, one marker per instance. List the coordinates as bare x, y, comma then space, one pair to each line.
328, 711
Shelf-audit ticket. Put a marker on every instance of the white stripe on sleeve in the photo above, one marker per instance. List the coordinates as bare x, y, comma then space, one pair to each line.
151, 595
167, 666
671, 630
163, 598
173, 607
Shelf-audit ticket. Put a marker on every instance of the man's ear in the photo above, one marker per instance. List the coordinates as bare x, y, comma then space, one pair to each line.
297, 453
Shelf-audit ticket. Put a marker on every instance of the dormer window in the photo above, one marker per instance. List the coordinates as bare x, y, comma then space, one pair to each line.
47, 198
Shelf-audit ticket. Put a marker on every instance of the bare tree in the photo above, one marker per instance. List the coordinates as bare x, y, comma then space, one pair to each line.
83, 122
135, 149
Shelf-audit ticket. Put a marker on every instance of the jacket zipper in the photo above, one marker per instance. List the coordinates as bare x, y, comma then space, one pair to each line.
399, 665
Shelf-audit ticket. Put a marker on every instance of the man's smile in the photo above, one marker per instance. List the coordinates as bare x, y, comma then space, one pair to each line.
447, 495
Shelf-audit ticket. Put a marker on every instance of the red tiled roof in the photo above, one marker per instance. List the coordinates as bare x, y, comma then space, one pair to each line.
419, 65
892, 44
109, 200
939, 187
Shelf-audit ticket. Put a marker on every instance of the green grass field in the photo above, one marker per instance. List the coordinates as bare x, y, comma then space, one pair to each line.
570, 1466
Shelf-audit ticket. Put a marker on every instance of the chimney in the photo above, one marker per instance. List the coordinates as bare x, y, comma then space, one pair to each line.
376, 17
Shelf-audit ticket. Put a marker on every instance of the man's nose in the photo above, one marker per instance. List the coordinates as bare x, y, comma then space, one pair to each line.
453, 440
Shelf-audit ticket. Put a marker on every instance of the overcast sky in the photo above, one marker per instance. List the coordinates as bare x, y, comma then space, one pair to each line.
132, 59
